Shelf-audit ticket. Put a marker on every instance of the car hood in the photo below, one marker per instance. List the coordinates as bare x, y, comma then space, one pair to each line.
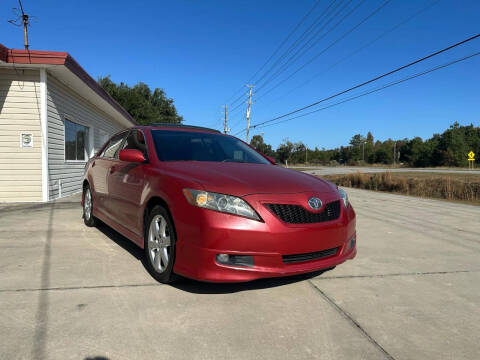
242, 179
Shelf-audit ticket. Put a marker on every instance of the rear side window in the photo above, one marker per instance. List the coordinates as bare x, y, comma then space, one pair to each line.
113, 146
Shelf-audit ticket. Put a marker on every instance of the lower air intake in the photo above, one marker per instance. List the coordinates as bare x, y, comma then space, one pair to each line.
288, 259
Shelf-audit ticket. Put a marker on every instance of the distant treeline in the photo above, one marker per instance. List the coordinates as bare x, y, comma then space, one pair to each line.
447, 149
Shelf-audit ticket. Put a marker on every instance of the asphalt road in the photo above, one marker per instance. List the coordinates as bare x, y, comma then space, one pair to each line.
334, 170
413, 292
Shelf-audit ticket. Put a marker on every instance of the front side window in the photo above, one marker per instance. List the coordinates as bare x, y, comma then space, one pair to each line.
113, 146
76, 140
199, 146
136, 140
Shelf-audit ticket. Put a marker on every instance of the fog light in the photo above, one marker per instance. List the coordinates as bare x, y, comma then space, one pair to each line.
235, 260
223, 258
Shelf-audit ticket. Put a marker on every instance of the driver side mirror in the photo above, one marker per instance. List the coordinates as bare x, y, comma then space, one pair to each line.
131, 155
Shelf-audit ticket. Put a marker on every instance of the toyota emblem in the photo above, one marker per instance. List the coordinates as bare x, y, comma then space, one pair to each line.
315, 203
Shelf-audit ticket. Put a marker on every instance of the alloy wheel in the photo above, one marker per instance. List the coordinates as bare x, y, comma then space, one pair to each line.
87, 204
159, 243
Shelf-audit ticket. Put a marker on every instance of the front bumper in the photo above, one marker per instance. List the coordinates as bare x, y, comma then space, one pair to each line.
202, 234
266, 265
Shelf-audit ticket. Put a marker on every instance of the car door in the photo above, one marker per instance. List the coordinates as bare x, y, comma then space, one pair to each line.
99, 170
125, 185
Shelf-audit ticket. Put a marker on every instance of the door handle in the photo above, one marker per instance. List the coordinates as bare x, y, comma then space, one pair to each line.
112, 169
93, 163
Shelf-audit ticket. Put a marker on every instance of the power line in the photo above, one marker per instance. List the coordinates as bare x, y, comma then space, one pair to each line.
279, 47
374, 79
328, 47
305, 33
403, 22
236, 107
296, 56
317, 21
298, 41
411, 77
239, 120
237, 99
286, 39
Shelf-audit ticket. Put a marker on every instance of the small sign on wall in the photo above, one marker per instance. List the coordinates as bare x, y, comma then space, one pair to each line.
26, 140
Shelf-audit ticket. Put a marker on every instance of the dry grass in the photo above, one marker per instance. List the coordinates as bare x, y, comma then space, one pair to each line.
453, 187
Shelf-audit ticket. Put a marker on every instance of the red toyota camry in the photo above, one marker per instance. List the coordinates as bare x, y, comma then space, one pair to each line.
209, 207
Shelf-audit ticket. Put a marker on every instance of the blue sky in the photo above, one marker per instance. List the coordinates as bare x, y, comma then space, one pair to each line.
202, 52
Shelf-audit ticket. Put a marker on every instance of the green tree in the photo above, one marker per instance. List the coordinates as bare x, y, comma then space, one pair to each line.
453, 145
357, 142
284, 151
369, 148
258, 143
145, 106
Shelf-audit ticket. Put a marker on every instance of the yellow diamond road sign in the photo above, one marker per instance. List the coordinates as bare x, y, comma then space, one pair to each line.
471, 156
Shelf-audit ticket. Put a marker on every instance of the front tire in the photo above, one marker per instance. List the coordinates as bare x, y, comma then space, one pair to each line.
159, 245
88, 217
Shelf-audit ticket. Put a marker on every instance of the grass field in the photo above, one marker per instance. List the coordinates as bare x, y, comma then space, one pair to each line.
452, 187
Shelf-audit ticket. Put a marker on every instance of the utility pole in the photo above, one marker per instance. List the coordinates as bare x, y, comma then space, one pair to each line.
225, 127
248, 110
394, 152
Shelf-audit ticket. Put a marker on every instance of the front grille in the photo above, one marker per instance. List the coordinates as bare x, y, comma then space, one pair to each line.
296, 214
288, 259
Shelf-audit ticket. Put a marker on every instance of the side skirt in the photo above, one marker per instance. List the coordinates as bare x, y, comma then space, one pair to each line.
119, 228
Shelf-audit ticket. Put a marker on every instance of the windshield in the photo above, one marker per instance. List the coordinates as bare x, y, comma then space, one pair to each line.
199, 146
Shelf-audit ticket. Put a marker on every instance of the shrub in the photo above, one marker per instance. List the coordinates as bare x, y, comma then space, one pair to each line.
441, 187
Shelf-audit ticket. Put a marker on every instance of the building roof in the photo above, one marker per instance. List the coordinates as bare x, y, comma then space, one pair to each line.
58, 62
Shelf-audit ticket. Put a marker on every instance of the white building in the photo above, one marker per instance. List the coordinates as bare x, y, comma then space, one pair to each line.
53, 116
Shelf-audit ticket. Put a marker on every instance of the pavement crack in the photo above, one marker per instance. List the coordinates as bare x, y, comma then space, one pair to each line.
79, 287
395, 274
349, 317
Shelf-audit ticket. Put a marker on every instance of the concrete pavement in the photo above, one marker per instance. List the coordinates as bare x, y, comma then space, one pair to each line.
413, 292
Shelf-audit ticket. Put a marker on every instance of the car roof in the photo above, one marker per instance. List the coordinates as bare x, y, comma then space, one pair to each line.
168, 126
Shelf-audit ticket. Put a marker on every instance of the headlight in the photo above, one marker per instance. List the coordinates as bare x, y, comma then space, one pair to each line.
344, 196
220, 202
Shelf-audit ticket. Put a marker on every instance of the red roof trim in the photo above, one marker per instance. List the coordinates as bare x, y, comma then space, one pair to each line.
36, 57
75, 68
3, 53
61, 58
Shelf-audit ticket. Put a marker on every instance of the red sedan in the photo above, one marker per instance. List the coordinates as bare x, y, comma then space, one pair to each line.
209, 207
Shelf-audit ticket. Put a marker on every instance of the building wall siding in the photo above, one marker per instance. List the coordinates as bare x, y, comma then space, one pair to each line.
20, 168
65, 177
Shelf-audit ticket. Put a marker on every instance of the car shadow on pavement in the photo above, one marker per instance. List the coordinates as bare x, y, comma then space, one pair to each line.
121, 241
198, 287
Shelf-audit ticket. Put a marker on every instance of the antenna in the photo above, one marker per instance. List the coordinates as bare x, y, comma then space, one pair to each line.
22, 19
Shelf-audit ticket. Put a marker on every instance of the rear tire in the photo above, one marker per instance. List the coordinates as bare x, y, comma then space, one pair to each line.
159, 245
88, 217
